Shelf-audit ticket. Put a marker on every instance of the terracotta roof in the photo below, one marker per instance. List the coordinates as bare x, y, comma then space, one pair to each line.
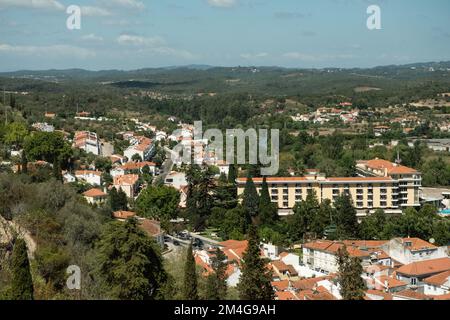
324, 295
391, 282
272, 179
427, 267
88, 172
333, 247
285, 296
282, 267
152, 227
442, 297
412, 295
127, 179
94, 193
136, 165
349, 179
280, 285
306, 284
123, 214
438, 279
415, 244
392, 168
365, 243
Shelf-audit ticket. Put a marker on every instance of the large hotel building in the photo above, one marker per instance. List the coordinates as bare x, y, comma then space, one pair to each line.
380, 185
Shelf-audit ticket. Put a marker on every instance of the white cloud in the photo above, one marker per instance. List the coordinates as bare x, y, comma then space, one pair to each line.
316, 57
153, 46
91, 37
48, 51
129, 39
94, 11
133, 4
254, 56
222, 3
32, 4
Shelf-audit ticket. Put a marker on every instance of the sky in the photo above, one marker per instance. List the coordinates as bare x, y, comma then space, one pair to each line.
133, 34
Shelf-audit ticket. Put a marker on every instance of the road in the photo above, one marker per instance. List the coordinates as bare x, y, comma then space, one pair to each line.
166, 167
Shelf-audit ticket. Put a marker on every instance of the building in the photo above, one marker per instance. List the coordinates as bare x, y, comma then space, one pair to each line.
44, 127
406, 182
176, 180
87, 141
438, 284
381, 185
153, 229
123, 215
416, 273
409, 250
95, 196
128, 183
133, 167
321, 255
90, 176
141, 146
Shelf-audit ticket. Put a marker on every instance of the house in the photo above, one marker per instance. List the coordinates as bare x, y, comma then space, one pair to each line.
95, 196
133, 167
410, 295
87, 141
50, 115
284, 271
153, 229
141, 146
438, 284
68, 178
415, 273
123, 215
90, 176
176, 180
128, 183
409, 250
321, 255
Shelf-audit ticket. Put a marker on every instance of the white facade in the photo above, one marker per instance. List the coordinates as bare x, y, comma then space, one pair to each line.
176, 180
91, 177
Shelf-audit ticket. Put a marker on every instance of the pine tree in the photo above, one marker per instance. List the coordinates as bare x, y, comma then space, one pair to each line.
129, 263
22, 282
349, 277
251, 199
264, 195
216, 285
122, 200
190, 276
255, 280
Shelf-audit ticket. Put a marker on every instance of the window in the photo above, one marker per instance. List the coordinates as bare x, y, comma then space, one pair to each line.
413, 281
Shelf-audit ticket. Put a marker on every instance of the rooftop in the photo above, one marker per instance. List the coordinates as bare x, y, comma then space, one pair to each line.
423, 268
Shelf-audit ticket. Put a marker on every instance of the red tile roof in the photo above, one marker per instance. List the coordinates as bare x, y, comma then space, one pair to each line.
127, 179
123, 214
412, 295
415, 244
94, 193
438, 279
391, 168
152, 227
427, 267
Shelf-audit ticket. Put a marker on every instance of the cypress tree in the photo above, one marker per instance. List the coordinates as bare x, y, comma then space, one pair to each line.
113, 199
22, 282
251, 199
255, 280
350, 269
347, 222
232, 174
122, 200
216, 285
268, 211
264, 196
190, 276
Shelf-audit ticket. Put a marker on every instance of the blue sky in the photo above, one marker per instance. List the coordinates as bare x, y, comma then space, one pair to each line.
131, 34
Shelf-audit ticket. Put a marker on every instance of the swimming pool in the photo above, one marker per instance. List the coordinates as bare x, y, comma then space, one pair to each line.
446, 211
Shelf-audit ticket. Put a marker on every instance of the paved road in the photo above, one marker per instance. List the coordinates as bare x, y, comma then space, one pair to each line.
166, 167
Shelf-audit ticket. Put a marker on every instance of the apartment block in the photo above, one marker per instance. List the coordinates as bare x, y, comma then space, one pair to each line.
385, 186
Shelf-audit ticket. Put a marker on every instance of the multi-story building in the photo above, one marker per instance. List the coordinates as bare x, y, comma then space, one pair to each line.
390, 190
87, 141
141, 146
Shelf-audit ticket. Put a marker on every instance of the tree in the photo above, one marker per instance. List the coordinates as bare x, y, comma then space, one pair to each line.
15, 133
136, 158
22, 282
129, 264
232, 174
346, 220
372, 226
190, 276
349, 277
234, 224
250, 200
255, 280
118, 199
48, 146
216, 285
268, 211
158, 202
305, 213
